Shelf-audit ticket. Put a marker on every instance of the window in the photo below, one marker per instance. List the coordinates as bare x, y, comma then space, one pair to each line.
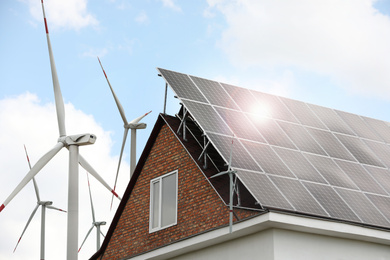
163, 202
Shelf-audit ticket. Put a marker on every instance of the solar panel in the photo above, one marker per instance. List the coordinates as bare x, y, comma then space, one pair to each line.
381, 175
360, 177
380, 127
240, 157
369, 213
267, 158
330, 144
359, 150
299, 165
304, 114
207, 117
187, 87
331, 201
271, 131
266, 193
381, 150
359, 126
292, 155
301, 138
273, 107
381, 203
239, 124
215, 94
243, 98
331, 119
330, 171
298, 196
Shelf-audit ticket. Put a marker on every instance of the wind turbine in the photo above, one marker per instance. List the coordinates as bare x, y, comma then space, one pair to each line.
44, 204
95, 223
72, 143
133, 125
230, 172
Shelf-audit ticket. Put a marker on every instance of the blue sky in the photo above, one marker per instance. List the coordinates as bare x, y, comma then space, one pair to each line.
331, 53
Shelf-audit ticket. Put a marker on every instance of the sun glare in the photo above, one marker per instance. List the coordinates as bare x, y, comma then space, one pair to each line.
261, 111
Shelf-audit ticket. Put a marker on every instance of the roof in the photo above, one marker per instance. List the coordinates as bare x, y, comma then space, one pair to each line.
293, 156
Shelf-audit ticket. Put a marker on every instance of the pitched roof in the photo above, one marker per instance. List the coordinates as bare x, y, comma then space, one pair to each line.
293, 156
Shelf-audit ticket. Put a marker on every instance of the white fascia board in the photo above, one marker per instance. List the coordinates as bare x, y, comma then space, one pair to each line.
266, 221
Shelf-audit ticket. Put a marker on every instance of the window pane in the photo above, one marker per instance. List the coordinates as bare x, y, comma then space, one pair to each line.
168, 209
155, 203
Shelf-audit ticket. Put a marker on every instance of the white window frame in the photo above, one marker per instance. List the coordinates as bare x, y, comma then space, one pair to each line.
159, 180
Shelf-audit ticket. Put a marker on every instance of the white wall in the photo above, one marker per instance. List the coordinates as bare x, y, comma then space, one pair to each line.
280, 244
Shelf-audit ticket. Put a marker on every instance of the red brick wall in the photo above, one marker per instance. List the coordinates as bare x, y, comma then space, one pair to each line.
199, 207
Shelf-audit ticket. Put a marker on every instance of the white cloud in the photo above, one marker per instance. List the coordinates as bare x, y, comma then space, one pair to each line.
346, 40
142, 18
25, 120
95, 52
170, 4
68, 14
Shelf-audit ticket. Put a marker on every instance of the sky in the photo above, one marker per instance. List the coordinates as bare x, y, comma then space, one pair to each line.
331, 53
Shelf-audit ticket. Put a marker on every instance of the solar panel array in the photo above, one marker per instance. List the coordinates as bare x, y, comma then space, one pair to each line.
295, 156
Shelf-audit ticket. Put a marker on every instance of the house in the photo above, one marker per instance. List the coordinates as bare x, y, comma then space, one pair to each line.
309, 182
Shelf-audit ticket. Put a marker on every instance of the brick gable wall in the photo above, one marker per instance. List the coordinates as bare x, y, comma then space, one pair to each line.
199, 207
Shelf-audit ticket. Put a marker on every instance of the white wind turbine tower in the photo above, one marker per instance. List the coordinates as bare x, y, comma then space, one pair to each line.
72, 143
44, 204
95, 223
133, 125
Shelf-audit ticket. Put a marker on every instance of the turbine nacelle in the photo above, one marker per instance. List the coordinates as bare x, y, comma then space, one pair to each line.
45, 203
99, 223
135, 126
79, 140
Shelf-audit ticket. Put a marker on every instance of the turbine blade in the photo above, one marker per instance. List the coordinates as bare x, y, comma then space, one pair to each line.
35, 183
102, 234
92, 171
60, 108
51, 207
118, 104
86, 237
90, 198
28, 222
120, 160
135, 121
34, 170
